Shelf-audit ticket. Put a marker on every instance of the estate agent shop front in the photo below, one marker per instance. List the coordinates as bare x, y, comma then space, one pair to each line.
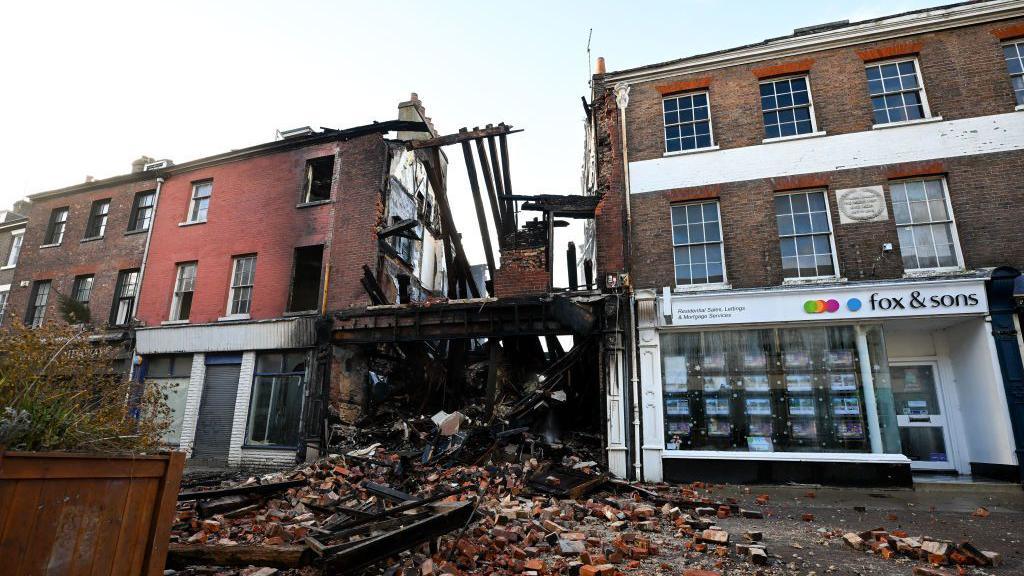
851, 383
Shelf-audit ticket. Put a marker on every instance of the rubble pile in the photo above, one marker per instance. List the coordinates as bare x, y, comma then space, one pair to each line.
935, 552
451, 496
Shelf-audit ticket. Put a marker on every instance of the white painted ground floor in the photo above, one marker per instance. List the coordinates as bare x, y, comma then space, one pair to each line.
237, 391
817, 383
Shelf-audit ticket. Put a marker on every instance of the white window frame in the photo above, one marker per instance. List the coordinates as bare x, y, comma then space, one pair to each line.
193, 217
958, 252
810, 106
920, 81
235, 288
17, 242
178, 291
119, 288
831, 238
5, 295
34, 302
711, 124
721, 242
1019, 44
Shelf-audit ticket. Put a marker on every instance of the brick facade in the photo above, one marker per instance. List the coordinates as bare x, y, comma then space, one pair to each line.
255, 209
523, 272
964, 76
963, 71
118, 249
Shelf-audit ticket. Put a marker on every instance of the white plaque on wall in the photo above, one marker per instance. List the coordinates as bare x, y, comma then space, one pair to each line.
866, 204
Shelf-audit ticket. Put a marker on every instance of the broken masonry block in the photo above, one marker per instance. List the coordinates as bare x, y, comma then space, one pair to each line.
855, 541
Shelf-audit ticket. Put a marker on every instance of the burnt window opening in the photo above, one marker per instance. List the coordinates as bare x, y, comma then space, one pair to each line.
319, 179
402, 244
306, 278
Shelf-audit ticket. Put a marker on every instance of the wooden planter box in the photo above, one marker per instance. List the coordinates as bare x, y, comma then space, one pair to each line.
85, 513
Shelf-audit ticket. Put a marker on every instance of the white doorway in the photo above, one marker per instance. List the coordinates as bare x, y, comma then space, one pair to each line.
922, 414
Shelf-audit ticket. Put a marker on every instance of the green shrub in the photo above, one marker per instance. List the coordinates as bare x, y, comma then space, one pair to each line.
59, 391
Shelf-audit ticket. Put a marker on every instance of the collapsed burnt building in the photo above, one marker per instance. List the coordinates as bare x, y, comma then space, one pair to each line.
513, 354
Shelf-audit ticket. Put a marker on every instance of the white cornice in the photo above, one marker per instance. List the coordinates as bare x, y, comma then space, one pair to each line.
889, 28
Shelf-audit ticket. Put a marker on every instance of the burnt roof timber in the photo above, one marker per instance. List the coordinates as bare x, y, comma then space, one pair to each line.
328, 135
459, 137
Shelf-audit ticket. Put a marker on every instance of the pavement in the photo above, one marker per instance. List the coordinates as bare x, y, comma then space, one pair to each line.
943, 510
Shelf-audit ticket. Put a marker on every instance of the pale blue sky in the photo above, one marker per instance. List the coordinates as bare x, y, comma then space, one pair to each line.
89, 86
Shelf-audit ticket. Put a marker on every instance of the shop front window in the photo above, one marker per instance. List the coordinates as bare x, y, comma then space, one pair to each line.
277, 395
775, 390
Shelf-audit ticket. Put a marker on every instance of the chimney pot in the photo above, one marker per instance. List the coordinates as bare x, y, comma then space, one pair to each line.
89, 178
600, 65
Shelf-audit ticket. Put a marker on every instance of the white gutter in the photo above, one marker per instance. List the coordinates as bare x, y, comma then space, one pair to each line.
145, 251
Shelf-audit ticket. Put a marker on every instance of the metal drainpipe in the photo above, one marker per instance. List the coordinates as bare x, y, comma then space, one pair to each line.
622, 101
142, 268
145, 251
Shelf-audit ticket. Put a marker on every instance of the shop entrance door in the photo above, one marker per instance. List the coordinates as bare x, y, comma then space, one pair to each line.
921, 414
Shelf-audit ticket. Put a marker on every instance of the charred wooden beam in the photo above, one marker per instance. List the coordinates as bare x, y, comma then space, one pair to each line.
182, 555
507, 180
462, 320
369, 282
402, 228
507, 219
492, 196
485, 235
570, 264
461, 136
250, 489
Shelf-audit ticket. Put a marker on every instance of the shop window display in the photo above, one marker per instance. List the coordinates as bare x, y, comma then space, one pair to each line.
773, 390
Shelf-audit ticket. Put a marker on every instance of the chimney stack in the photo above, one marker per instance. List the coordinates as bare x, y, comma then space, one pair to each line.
88, 179
600, 65
139, 164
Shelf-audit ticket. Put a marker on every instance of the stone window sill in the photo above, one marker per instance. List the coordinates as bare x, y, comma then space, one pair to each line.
174, 322
49, 245
91, 239
314, 203
813, 281
694, 151
191, 223
928, 120
5, 267
793, 137
133, 232
233, 317
686, 288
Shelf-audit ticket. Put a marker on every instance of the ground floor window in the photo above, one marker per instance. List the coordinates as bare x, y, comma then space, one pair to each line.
171, 373
775, 390
275, 409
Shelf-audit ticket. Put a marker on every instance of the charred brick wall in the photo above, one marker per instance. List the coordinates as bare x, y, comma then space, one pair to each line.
523, 272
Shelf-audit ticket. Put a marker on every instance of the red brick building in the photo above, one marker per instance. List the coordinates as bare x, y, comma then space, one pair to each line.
251, 249
85, 242
219, 274
810, 226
